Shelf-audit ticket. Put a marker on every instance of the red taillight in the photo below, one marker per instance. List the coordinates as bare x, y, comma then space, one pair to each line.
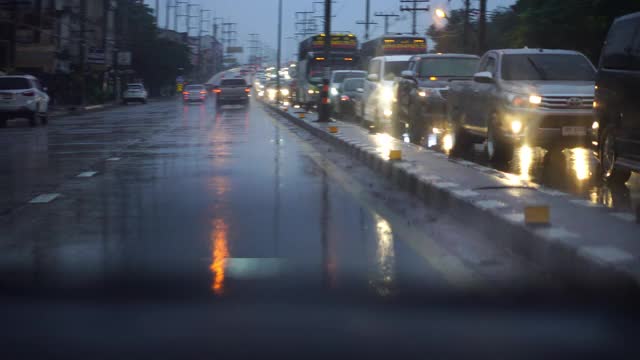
247, 90
185, 93
217, 91
344, 98
28, 93
203, 92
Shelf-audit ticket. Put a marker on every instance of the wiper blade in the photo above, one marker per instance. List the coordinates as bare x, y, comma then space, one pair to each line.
540, 72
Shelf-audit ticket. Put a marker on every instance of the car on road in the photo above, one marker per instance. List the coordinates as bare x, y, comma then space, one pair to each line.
616, 101
194, 93
378, 94
23, 96
135, 93
336, 80
422, 91
534, 97
232, 91
351, 91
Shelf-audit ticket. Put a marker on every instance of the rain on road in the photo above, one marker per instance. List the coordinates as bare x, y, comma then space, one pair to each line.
231, 195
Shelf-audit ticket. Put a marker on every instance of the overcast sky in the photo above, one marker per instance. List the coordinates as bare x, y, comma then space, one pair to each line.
260, 16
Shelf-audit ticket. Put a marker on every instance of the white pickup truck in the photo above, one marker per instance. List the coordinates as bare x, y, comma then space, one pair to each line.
536, 97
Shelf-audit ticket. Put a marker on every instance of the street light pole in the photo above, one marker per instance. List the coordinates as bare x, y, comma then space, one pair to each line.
279, 51
323, 113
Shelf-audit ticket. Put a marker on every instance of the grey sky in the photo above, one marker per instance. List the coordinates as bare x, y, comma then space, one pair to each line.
260, 16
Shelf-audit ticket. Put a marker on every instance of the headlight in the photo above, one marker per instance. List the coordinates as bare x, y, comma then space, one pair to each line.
310, 91
535, 99
516, 126
334, 91
429, 92
518, 100
284, 92
387, 94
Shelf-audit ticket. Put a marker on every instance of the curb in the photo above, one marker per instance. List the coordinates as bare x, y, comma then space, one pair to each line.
542, 246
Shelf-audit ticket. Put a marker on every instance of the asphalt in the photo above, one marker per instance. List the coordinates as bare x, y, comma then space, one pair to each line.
224, 195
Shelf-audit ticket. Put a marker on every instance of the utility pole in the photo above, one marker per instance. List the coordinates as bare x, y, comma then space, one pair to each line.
200, 31
367, 21
189, 16
386, 17
305, 26
254, 45
414, 9
278, 57
482, 27
177, 15
323, 113
215, 25
465, 29
157, 9
83, 52
166, 14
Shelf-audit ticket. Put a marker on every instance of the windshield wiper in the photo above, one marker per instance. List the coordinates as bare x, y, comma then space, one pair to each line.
540, 72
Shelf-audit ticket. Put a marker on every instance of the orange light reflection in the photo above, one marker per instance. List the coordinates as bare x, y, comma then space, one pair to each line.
220, 255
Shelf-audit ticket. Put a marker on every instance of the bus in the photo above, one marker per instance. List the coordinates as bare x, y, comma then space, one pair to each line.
312, 62
392, 45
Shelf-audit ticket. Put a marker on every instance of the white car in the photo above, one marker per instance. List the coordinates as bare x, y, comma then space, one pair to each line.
378, 95
22, 96
135, 92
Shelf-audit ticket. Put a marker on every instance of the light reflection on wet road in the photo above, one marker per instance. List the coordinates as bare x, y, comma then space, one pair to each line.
232, 194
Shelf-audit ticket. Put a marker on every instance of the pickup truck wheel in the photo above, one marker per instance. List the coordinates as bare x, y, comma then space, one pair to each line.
498, 150
610, 173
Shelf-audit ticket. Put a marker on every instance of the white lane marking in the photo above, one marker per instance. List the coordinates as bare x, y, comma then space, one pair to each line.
551, 192
585, 203
557, 233
445, 185
44, 198
87, 174
430, 178
466, 193
515, 217
113, 159
624, 216
490, 204
607, 254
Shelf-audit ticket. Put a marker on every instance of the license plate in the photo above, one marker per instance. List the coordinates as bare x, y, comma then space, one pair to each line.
574, 131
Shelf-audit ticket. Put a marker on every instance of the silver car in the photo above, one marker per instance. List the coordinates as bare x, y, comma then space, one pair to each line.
194, 93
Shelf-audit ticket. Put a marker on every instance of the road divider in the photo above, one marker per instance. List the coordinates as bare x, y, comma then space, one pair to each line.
560, 235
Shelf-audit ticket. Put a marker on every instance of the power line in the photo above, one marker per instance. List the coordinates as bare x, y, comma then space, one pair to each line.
386, 17
414, 9
366, 22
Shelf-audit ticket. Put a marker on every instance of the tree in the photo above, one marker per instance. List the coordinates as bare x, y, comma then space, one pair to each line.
157, 61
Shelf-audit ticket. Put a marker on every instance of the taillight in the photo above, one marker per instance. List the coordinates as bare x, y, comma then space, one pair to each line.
185, 93
344, 98
247, 90
217, 91
203, 92
28, 93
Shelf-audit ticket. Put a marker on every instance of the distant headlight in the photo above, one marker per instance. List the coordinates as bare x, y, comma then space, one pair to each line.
284, 92
310, 91
387, 94
334, 91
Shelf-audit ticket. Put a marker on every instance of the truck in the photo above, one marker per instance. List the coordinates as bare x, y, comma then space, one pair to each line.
421, 92
535, 97
312, 62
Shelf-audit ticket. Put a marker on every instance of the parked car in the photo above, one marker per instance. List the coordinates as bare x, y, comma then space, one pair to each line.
232, 91
616, 101
536, 97
194, 93
351, 91
422, 92
378, 95
135, 92
23, 96
336, 80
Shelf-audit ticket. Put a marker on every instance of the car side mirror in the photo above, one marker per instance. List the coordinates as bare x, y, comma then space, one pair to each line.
360, 90
408, 74
484, 77
373, 77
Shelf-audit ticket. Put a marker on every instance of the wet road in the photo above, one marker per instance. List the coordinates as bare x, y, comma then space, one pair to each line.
227, 196
574, 171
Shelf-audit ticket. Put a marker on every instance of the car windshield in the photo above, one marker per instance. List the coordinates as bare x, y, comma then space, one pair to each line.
353, 84
547, 67
340, 76
447, 67
393, 69
14, 83
233, 82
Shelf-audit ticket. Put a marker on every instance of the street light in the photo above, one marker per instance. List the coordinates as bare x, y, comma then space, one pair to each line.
440, 13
